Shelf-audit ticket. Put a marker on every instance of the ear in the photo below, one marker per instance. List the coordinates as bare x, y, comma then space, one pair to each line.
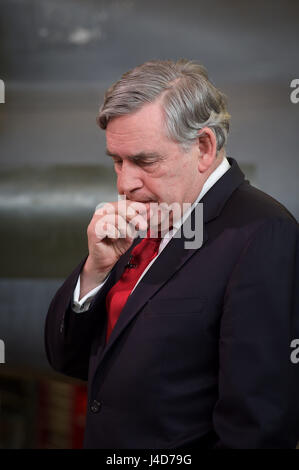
207, 149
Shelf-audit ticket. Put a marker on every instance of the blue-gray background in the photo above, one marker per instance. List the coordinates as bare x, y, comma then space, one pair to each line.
56, 59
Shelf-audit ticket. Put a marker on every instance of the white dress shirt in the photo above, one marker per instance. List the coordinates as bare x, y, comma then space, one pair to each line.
83, 304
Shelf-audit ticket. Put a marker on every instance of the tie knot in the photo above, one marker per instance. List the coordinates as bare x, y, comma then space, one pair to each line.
147, 248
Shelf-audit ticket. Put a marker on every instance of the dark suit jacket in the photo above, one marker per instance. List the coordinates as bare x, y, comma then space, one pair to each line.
200, 356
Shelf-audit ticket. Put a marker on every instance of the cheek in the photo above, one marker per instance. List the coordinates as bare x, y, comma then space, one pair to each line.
166, 182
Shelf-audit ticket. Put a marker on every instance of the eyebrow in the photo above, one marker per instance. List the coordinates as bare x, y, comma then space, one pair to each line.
138, 156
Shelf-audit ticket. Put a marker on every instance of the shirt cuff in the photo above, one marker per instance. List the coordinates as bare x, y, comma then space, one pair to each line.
82, 305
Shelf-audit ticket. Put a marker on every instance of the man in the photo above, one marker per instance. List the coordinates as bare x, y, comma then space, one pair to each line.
189, 347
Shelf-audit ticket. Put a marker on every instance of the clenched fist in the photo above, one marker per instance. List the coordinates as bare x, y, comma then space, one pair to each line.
111, 232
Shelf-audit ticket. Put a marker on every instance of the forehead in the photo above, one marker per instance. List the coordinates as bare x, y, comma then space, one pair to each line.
142, 130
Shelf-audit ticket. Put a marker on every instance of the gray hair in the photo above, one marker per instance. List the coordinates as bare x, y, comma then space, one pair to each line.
190, 101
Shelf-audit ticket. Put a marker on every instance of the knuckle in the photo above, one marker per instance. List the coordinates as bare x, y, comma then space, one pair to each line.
104, 208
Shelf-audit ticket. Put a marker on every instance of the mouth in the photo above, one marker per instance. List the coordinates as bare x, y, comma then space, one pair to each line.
143, 201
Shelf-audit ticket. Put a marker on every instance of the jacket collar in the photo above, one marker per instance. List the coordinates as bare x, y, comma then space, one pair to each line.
215, 199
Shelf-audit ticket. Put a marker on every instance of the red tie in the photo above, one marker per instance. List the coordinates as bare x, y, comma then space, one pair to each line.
118, 295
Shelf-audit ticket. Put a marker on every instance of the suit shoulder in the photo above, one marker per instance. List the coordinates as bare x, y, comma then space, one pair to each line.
250, 203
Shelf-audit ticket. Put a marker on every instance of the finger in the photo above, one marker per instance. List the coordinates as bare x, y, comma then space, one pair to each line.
129, 210
105, 208
138, 223
125, 230
105, 229
137, 208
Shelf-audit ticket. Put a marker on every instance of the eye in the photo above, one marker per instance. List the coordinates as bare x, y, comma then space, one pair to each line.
146, 163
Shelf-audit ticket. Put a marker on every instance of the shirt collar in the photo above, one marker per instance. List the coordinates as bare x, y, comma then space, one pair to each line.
211, 180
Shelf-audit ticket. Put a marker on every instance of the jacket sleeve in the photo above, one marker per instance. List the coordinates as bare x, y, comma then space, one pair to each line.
69, 335
258, 405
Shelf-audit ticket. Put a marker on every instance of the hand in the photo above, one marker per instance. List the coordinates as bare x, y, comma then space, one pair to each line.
111, 232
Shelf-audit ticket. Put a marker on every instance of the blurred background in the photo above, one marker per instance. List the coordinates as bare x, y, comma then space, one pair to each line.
57, 57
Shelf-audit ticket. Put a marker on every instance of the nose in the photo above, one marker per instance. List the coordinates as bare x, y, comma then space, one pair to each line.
129, 178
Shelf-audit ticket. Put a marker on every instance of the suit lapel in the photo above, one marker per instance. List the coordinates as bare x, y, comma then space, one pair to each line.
174, 255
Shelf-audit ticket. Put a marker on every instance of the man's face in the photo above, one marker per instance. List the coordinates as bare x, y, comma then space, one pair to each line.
149, 166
